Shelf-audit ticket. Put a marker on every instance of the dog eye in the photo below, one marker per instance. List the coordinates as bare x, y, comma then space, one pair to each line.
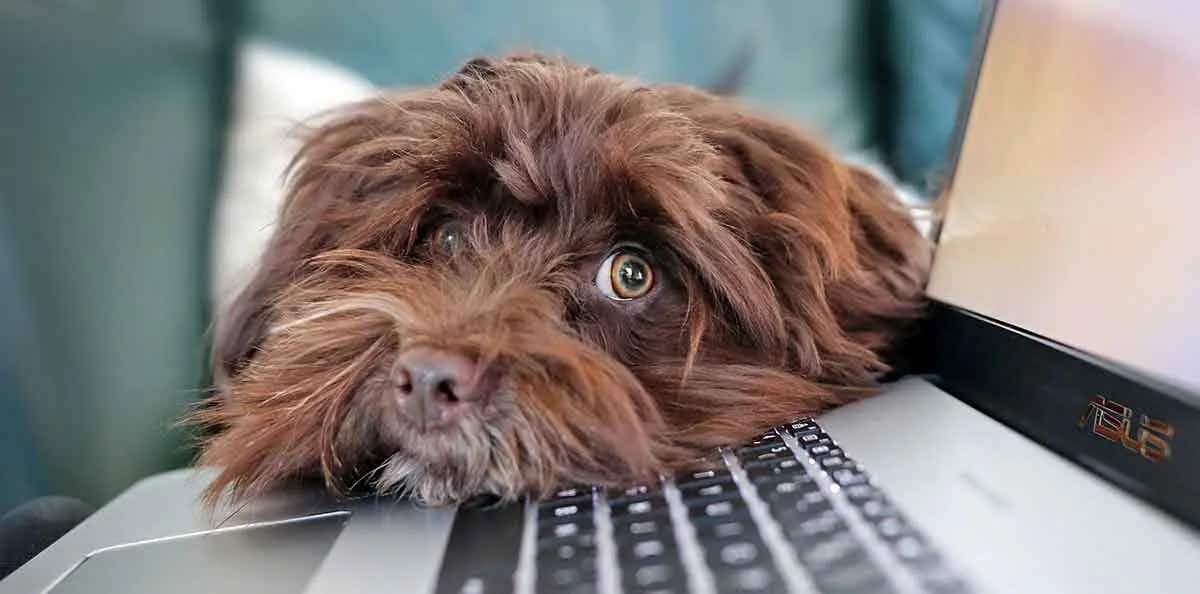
449, 238
624, 275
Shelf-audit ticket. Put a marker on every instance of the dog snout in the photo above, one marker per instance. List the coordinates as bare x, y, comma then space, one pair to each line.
435, 384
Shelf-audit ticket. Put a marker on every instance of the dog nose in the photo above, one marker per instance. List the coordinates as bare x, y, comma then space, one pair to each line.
434, 384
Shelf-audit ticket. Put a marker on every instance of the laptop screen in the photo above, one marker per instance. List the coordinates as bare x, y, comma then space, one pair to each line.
1074, 206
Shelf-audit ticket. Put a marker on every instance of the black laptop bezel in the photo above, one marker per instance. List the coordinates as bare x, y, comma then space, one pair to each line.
1047, 390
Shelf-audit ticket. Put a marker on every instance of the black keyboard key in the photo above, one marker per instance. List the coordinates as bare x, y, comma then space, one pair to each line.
822, 448
708, 488
680, 589
568, 510
653, 576
657, 549
581, 588
708, 471
749, 580
566, 579
735, 552
571, 528
774, 469
568, 566
569, 493
875, 508
830, 463
584, 568
626, 525
631, 492
892, 528
800, 434
816, 524
809, 439
655, 526
821, 451
762, 458
632, 508
742, 565
768, 438
733, 496
849, 476
821, 551
910, 547
813, 522
748, 452
800, 425
584, 540
775, 488
859, 575
718, 510
861, 493
706, 477
738, 526
798, 504
567, 551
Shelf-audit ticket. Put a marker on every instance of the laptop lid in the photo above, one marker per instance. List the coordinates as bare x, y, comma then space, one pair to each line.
1067, 263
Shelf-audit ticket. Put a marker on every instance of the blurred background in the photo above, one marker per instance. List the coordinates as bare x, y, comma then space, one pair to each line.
133, 152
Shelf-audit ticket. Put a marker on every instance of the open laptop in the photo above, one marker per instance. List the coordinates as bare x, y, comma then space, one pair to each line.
1050, 445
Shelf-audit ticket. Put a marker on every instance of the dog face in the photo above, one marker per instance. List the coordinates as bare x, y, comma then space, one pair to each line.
537, 274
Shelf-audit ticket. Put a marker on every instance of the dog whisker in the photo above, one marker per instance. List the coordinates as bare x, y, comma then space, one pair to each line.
367, 475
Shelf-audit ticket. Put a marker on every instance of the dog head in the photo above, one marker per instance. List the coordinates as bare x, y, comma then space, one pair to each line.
535, 274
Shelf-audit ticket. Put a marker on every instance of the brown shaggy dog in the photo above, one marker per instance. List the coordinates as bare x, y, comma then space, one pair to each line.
537, 274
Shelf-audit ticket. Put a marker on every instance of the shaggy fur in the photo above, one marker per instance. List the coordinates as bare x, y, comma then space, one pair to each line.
782, 274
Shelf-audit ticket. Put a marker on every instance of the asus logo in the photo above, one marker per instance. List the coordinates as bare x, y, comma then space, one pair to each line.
1114, 421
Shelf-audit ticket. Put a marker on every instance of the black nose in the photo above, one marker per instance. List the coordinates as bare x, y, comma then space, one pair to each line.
435, 384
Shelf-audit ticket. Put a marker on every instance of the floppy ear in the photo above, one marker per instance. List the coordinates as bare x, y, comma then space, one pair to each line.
241, 325
333, 173
847, 263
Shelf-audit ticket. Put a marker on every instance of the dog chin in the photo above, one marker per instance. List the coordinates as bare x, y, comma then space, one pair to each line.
408, 477
444, 466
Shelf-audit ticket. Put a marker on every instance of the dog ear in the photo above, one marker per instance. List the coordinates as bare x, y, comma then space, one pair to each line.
884, 291
847, 263
241, 325
846, 259
327, 170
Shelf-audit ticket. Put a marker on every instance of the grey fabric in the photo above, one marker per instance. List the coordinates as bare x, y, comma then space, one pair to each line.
107, 172
28, 529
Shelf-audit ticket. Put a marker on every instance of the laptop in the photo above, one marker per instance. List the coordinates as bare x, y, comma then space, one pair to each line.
1048, 442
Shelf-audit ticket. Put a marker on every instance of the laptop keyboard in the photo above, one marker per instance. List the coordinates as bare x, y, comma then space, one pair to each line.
787, 512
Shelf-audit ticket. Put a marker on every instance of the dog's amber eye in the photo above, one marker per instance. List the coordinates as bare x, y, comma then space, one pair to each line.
624, 275
449, 238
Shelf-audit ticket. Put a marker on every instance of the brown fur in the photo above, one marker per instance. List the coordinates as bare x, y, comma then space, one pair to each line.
783, 275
